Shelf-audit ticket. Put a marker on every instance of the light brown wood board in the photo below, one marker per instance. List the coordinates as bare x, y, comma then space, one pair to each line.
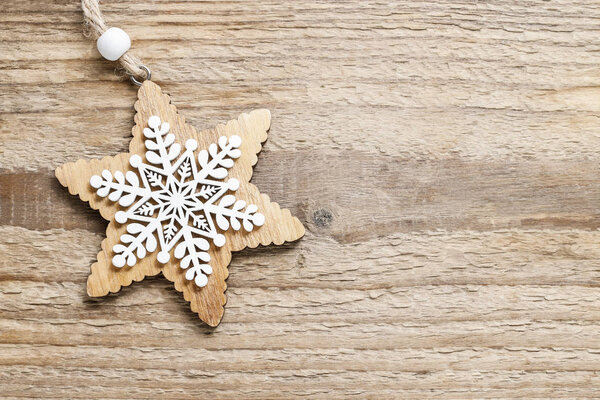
442, 155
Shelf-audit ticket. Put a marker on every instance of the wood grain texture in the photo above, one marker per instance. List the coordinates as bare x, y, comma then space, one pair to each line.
442, 155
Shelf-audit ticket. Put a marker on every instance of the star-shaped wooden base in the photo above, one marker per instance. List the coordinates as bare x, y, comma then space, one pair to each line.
280, 226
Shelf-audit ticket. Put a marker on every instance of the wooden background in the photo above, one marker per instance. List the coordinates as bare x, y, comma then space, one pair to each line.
442, 155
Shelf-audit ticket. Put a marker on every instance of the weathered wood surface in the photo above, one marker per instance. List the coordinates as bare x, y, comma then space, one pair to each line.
442, 155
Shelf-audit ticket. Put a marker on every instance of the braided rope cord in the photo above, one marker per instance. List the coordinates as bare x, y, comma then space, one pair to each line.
96, 24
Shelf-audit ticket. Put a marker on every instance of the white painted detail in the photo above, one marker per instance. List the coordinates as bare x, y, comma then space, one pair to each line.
113, 43
174, 200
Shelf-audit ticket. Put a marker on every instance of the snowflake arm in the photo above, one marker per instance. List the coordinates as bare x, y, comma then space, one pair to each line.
160, 144
199, 221
184, 170
208, 191
230, 212
193, 251
124, 188
215, 162
139, 240
146, 209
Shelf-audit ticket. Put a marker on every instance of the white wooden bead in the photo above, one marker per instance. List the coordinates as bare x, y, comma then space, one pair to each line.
113, 43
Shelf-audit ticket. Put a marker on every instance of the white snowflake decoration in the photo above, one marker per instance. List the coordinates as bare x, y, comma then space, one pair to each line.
177, 202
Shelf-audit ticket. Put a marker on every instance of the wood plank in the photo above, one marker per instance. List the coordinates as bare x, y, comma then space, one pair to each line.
440, 303
445, 193
504, 258
436, 359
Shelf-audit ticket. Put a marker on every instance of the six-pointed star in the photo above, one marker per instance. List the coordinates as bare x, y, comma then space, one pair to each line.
265, 221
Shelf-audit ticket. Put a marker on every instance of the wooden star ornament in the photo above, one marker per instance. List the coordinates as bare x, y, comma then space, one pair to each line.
179, 203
